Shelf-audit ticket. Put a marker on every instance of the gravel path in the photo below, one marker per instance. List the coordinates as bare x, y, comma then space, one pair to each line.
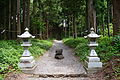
50, 68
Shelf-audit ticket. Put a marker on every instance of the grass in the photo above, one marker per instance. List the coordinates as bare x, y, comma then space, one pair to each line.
11, 51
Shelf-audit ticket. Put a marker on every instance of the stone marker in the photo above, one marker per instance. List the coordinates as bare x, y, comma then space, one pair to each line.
27, 62
93, 64
59, 54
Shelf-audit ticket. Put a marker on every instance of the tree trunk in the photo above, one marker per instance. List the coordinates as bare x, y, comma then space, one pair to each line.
87, 17
14, 20
91, 13
18, 18
33, 14
9, 25
103, 28
24, 15
108, 19
116, 17
47, 28
4, 34
73, 26
40, 34
94, 20
28, 14
69, 24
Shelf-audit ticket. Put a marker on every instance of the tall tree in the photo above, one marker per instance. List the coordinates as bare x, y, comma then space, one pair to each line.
9, 24
28, 13
18, 17
116, 16
91, 15
108, 16
14, 19
24, 14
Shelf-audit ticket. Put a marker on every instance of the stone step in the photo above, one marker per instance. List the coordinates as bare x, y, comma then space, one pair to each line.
81, 78
58, 75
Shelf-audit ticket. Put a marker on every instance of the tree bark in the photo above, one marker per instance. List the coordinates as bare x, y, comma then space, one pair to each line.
87, 17
116, 17
103, 28
14, 20
24, 15
47, 27
69, 24
73, 26
9, 24
28, 14
18, 18
4, 34
108, 19
91, 15
94, 20
33, 14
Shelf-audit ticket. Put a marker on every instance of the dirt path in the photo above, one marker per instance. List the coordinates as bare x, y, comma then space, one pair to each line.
50, 68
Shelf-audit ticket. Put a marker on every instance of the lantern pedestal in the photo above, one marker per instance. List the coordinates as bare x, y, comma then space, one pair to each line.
93, 64
27, 63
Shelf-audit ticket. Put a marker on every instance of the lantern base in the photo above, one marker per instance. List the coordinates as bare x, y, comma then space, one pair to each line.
93, 64
27, 64
92, 70
29, 70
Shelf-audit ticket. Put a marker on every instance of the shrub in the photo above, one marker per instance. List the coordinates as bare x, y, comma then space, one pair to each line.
116, 42
74, 42
105, 49
11, 51
1, 78
80, 45
82, 50
116, 58
44, 44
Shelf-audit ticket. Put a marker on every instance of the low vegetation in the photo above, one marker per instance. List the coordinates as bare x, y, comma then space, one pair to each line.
108, 50
11, 51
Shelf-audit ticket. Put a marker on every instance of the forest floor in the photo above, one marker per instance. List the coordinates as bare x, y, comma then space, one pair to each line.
49, 68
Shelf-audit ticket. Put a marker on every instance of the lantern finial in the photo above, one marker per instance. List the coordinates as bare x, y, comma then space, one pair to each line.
26, 29
92, 29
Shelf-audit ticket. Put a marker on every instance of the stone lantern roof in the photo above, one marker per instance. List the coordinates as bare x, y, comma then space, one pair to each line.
93, 34
26, 34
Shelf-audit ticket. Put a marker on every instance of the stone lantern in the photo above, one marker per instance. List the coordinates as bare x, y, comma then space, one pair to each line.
27, 62
93, 63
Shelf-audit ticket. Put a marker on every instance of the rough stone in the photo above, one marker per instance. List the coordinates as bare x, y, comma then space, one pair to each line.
59, 54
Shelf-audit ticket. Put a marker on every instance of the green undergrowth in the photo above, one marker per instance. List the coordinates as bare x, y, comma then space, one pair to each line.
11, 51
74, 42
39, 46
108, 50
80, 45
